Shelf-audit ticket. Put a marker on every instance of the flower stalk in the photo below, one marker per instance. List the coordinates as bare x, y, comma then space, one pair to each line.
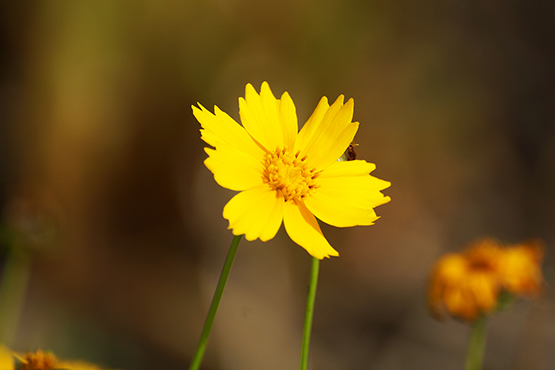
13, 288
476, 345
205, 334
311, 297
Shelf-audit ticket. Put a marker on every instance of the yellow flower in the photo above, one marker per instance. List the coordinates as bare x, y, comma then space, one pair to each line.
39, 360
466, 285
286, 175
520, 271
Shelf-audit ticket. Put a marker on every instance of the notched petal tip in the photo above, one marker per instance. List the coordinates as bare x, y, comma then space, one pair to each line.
339, 101
250, 91
265, 90
336, 254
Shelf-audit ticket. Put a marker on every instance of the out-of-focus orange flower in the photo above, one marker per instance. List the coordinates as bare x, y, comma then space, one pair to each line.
38, 360
467, 285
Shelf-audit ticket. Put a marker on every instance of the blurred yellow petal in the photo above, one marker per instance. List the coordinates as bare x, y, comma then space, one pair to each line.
485, 290
256, 212
303, 229
77, 365
6, 358
520, 270
448, 271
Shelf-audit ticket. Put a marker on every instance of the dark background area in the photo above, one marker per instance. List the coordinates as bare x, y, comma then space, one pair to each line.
101, 170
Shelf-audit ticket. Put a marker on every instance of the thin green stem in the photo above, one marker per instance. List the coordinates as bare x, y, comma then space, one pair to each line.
311, 297
205, 334
476, 345
13, 289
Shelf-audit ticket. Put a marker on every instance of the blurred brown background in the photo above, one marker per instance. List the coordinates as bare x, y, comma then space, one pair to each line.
101, 167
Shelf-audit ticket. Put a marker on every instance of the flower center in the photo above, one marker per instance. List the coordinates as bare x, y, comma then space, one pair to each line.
39, 361
482, 265
289, 174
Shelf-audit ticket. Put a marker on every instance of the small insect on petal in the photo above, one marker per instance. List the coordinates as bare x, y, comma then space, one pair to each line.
350, 154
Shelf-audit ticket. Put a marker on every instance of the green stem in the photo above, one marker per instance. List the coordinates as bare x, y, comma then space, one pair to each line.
477, 345
309, 312
201, 347
13, 289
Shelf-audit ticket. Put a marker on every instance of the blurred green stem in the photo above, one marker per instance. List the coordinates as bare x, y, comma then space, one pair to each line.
477, 345
311, 297
13, 288
201, 347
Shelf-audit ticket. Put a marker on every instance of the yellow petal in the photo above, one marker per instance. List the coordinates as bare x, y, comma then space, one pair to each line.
520, 269
347, 195
334, 213
349, 168
6, 358
221, 128
288, 114
327, 133
365, 189
303, 229
271, 122
256, 212
460, 304
234, 169
484, 290
77, 365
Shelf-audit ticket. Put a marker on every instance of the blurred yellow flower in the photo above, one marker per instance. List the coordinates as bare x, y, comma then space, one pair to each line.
467, 285
286, 175
39, 360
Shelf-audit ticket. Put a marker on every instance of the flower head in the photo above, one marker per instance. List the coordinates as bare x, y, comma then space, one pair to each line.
286, 175
38, 360
468, 284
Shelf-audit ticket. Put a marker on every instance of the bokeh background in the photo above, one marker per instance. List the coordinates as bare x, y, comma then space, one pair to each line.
101, 175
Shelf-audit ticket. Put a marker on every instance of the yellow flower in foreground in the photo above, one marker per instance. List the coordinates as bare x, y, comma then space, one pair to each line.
467, 285
286, 175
